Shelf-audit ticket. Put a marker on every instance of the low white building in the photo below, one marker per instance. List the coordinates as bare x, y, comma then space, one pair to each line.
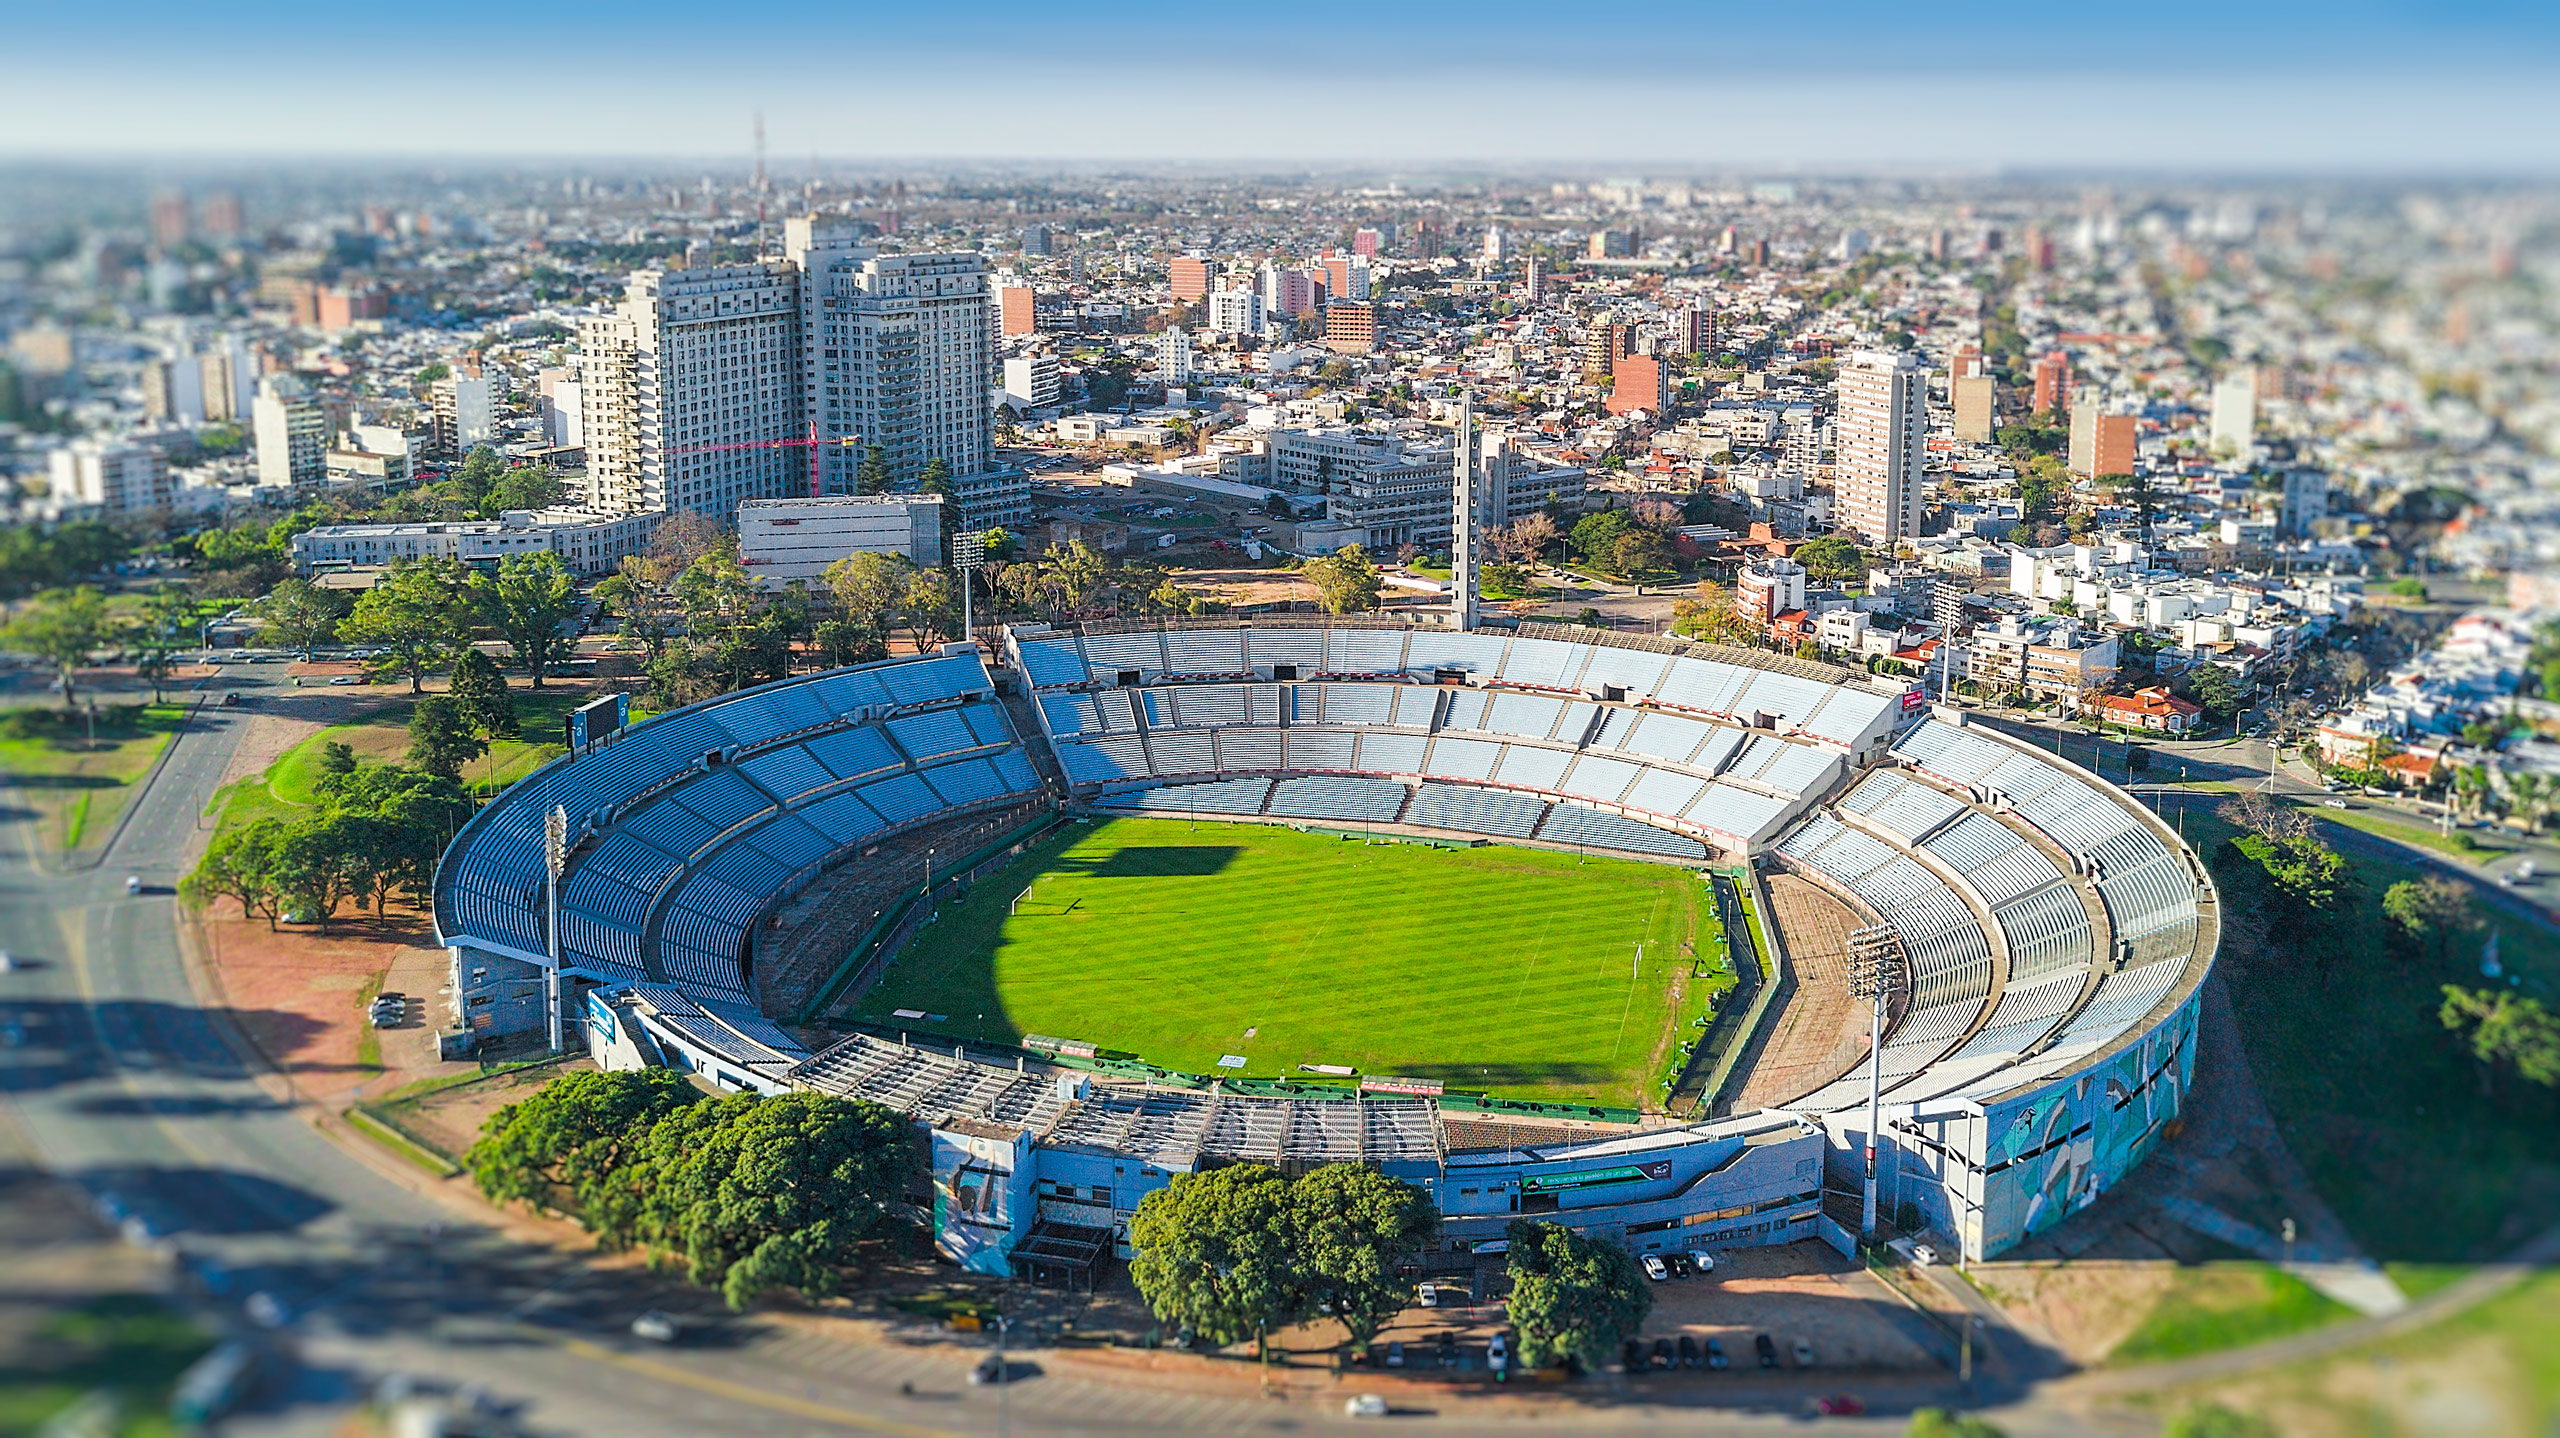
589, 542
780, 540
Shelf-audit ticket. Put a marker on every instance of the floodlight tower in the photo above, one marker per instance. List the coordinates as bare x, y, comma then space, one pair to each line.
1877, 971
1466, 528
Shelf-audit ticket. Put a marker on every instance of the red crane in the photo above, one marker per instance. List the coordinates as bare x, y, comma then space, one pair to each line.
811, 443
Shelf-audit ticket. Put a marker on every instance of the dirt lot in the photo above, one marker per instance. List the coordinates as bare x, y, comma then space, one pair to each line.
448, 1119
300, 996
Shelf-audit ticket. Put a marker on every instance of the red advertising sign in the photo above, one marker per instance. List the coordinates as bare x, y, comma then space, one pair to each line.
1912, 699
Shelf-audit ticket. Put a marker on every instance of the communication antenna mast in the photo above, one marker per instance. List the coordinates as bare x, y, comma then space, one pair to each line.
761, 187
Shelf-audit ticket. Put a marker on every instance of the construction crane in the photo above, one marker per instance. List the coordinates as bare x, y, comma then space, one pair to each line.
811, 443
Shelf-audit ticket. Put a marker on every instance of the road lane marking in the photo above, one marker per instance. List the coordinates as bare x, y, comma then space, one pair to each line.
740, 1392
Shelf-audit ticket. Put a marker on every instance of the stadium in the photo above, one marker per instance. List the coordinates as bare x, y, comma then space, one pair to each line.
1548, 921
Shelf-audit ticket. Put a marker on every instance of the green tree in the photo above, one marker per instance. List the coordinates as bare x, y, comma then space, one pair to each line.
1352, 1227
2505, 1033
481, 470
845, 641
416, 614
488, 705
1639, 550
933, 608
1212, 1252
337, 763
1346, 580
871, 476
2217, 691
1573, 1299
239, 864
441, 738
532, 486
755, 1194
300, 615
1706, 613
2213, 1420
63, 627
1939, 1423
561, 1143
529, 601
869, 588
1596, 536
2435, 911
1831, 558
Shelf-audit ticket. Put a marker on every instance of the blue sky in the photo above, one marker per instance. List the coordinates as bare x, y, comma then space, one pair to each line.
2360, 86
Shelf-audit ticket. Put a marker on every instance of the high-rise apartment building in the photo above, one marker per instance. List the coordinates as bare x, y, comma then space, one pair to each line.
1497, 245
1965, 362
292, 437
2053, 383
1643, 382
1694, 330
1976, 401
1881, 440
1035, 239
1190, 278
1235, 312
1350, 328
692, 386
169, 219
1285, 293
1475, 504
1017, 311
2101, 443
1173, 357
711, 386
1031, 382
1346, 277
2235, 414
119, 477
1368, 242
465, 407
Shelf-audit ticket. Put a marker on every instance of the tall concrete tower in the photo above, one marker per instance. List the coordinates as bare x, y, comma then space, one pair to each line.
1469, 505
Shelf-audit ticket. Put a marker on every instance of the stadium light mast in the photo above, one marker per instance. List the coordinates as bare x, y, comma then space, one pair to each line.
1876, 973
968, 553
1466, 529
555, 859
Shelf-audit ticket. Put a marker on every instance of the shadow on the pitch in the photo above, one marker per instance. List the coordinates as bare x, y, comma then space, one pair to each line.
1184, 862
1512, 1075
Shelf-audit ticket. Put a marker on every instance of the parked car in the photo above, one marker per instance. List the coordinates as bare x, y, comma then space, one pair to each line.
1634, 1355
1688, 1351
1428, 1295
1395, 1354
1923, 1255
132, 884
1703, 1262
1653, 1268
657, 1326
1662, 1355
1840, 1405
1447, 1353
1364, 1405
1497, 1353
1715, 1356
1767, 1349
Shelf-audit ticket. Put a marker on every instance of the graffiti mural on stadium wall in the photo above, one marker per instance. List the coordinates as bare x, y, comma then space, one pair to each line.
2054, 1150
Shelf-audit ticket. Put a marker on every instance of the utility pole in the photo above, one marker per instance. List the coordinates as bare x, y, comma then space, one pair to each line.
1877, 971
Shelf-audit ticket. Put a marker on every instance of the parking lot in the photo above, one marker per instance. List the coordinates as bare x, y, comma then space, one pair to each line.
1799, 1294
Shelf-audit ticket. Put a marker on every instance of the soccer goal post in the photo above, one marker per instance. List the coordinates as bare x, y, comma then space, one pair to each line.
1016, 906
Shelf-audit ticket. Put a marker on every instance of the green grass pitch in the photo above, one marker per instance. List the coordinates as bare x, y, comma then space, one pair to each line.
1507, 971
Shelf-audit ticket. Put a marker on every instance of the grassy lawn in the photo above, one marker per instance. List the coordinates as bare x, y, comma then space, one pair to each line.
2213, 1306
2492, 1369
2384, 1112
1500, 970
2459, 844
129, 1346
76, 790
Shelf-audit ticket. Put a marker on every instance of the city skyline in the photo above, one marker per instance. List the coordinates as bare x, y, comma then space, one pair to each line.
2366, 88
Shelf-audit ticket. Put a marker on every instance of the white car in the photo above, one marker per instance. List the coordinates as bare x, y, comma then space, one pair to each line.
657, 1326
1364, 1405
1497, 1354
1703, 1262
1429, 1295
1654, 1269
1923, 1255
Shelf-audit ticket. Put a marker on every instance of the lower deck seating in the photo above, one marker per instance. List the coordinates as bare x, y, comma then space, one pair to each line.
1223, 796
1575, 824
1341, 797
1475, 811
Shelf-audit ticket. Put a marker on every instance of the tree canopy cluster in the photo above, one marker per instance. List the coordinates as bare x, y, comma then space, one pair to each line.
378, 831
424, 613
750, 1194
1237, 1252
1574, 1298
